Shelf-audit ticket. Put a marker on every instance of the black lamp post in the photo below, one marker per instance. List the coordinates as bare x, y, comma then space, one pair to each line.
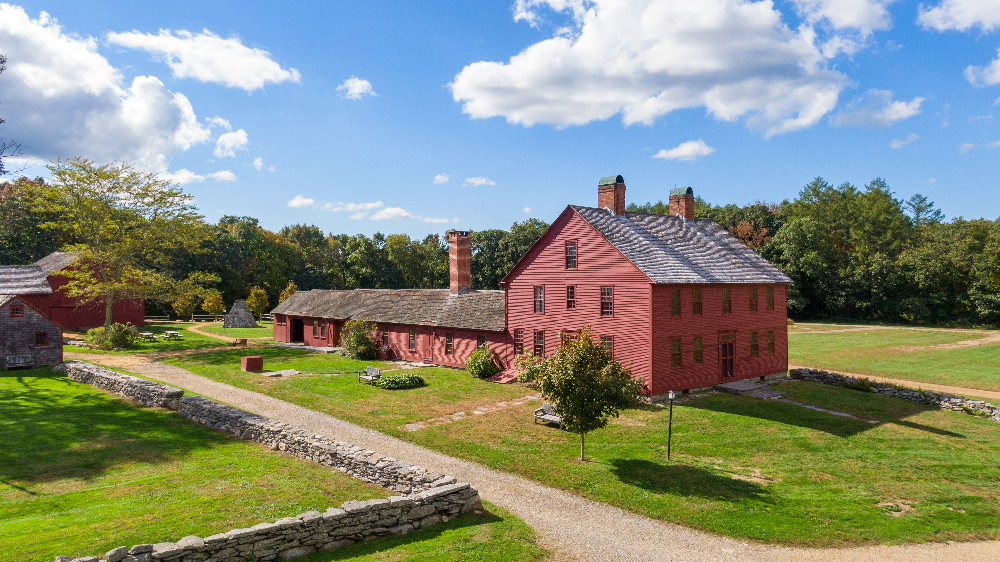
670, 424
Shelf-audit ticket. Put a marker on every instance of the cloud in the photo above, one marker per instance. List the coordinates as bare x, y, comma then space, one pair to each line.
686, 151
875, 110
62, 98
994, 144
647, 58
209, 58
184, 176
228, 143
219, 121
223, 175
900, 143
965, 147
392, 213
527, 209
929, 180
440, 178
862, 15
258, 164
301, 202
356, 88
960, 15
478, 181
984, 75
436, 221
352, 207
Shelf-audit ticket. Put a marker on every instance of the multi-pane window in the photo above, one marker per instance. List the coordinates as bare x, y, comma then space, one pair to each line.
322, 329
518, 342
480, 341
608, 343
607, 301
41, 339
727, 301
770, 342
675, 302
16, 311
567, 338
753, 299
570, 255
753, 344
697, 351
539, 349
540, 299
675, 353
770, 298
385, 336
412, 344
696, 301
449, 343
315, 328
570, 297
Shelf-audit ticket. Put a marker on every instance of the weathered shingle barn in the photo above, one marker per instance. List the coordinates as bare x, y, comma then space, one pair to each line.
28, 337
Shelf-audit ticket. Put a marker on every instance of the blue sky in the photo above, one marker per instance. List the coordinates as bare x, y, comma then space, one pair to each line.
742, 101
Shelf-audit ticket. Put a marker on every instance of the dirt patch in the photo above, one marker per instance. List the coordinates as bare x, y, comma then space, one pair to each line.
896, 508
992, 339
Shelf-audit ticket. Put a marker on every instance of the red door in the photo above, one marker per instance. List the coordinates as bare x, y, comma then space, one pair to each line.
427, 347
726, 355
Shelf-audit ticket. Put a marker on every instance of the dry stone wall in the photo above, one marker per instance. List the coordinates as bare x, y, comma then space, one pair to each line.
939, 399
431, 498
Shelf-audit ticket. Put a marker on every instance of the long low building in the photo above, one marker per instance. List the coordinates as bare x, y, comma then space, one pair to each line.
677, 300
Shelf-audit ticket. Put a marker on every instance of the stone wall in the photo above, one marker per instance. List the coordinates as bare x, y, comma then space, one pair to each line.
431, 497
938, 399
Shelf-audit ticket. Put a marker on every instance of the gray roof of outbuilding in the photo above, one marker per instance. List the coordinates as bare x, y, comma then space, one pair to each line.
472, 310
23, 280
668, 249
56, 261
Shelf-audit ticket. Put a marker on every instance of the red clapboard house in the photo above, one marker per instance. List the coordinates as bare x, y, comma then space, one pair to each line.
677, 300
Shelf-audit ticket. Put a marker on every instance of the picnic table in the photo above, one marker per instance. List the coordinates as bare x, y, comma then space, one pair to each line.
147, 336
172, 335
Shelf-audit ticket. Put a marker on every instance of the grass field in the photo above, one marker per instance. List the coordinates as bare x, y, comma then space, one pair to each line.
877, 352
262, 331
190, 340
82, 472
747, 468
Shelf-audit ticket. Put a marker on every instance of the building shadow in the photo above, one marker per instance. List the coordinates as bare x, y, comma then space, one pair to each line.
684, 480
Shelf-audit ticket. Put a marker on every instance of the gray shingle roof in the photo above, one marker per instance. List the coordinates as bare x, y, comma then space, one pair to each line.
23, 280
56, 261
669, 249
473, 310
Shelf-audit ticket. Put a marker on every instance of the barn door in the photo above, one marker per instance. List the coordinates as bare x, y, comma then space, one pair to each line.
427, 347
726, 355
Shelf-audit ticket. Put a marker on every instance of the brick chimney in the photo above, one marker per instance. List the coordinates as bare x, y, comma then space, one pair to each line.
682, 203
611, 194
459, 261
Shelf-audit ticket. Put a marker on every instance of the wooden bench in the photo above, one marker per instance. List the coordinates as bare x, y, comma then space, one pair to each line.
369, 375
547, 414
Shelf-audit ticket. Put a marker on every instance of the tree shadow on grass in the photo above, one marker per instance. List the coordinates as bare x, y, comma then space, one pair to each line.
685, 480
54, 428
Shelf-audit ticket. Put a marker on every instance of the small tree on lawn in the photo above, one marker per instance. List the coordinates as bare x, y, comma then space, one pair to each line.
288, 291
257, 301
587, 385
213, 303
359, 340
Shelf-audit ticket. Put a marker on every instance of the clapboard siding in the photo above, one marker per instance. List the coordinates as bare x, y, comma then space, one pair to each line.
464, 343
17, 334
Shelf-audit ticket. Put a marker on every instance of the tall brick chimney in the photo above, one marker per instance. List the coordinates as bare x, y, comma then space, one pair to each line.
682, 203
611, 194
459, 260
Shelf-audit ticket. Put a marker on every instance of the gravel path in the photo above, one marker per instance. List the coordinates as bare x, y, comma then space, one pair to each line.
573, 528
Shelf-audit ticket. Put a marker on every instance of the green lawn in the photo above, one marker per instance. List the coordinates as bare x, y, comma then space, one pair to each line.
875, 353
190, 340
752, 469
262, 331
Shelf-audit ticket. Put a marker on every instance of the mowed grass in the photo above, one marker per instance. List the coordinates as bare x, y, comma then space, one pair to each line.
264, 330
190, 340
877, 352
752, 469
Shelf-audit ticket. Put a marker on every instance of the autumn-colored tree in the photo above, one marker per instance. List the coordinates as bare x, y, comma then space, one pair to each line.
288, 291
213, 303
257, 301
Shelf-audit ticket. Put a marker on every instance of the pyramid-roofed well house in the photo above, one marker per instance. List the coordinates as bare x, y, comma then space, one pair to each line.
678, 300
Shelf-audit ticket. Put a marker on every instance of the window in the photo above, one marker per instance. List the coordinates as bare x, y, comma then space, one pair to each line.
570, 255
567, 337
412, 345
16, 311
696, 301
385, 336
322, 329
570, 297
315, 328
770, 342
607, 301
697, 351
480, 341
727, 302
41, 339
449, 343
753, 299
675, 353
518, 342
770, 298
539, 350
280, 319
608, 343
753, 344
675, 302
540, 300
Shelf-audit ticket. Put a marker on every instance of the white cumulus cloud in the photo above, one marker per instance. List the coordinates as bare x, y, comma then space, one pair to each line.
62, 98
435, 221
862, 15
258, 164
183, 176
984, 75
440, 179
228, 143
527, 209
392, 213
355, 88
965, 147
301, 202
876, 109
900, 143
686, 151
478, 181
647, 58
961, 15
223, 175
209, 58
353, 207
220, 122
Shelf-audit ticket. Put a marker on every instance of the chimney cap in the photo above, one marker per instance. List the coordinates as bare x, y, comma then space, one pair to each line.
611, 180
682, 191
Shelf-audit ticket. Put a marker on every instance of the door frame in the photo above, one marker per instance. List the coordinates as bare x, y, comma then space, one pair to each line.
727, 342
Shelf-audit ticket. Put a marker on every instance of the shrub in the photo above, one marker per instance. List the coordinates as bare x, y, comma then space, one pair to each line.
528, 367
862, 384
790, 321
97, 340
399, 381
482, 363
359, 340
121, 336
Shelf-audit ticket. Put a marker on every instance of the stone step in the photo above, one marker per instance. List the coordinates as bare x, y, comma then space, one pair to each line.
741, 387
